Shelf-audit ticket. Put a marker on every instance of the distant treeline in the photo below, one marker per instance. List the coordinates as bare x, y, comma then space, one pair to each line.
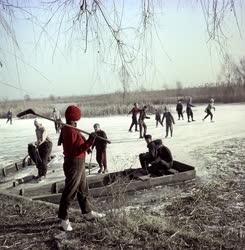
121, 103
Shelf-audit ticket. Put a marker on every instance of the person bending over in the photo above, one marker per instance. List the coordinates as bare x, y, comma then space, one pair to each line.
158, 159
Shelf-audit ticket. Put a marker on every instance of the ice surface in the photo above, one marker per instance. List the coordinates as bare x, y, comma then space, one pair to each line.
125, 148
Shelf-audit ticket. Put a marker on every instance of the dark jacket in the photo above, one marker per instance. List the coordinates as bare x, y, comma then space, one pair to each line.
179, 107
169, 118
143, 115
99, 144
9, 115
153, 148
189, 106
157, 116
134, 111
165, 154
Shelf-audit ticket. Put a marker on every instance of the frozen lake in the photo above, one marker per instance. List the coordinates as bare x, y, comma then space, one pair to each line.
125, 148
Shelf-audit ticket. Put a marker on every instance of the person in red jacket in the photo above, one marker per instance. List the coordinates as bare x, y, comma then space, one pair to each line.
75, 147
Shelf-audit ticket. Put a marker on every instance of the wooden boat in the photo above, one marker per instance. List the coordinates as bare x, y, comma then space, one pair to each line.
19, 165
129, 180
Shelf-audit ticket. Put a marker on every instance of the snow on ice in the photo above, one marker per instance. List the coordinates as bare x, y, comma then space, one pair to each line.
125, 147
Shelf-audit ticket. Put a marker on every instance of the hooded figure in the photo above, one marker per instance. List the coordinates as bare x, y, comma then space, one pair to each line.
75, 147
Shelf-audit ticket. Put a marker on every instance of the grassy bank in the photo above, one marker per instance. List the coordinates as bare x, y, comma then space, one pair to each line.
116, 103
207, 216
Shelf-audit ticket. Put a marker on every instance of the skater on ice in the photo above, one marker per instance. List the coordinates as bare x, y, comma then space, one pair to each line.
169, 121
57, 117
158, 159
208, 110
134, 111
179, 109
9, 117
142, 125
158, 117
41, 151
189, 112
100, 147
75, 147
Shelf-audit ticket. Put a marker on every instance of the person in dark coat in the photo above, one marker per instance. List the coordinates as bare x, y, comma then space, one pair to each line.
100, 147
158, 118
134, 111
169, 121
9, 117
189, 110
44, 148
158, 159
208, 110
142, 124
179, 109
75, 147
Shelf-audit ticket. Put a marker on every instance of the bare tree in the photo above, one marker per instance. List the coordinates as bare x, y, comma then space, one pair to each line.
103, 24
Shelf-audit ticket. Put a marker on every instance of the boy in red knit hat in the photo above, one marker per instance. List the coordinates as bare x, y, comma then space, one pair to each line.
75, 147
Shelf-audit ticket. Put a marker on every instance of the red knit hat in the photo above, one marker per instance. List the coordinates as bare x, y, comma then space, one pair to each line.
73, 113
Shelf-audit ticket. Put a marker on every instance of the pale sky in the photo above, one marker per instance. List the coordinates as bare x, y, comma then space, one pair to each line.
175, 49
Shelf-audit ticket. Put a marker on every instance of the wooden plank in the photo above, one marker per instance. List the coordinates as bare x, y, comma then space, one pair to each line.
120, 181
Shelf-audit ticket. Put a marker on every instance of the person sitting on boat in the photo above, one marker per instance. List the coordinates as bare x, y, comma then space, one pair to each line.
100, 147
158, 159
44, 148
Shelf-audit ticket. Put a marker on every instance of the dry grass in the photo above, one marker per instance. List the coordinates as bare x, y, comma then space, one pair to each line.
209, 216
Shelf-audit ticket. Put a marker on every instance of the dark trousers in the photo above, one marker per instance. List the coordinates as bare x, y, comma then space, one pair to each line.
57, 125
75, 186
209, 113
134, 123
145, 160
159, 167
44, 151
189, 114
142, 127
9, 119
101, 158
180, 115
169, 127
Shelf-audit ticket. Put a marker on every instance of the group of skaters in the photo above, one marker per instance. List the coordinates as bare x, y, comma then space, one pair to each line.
157, 161
139, 115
